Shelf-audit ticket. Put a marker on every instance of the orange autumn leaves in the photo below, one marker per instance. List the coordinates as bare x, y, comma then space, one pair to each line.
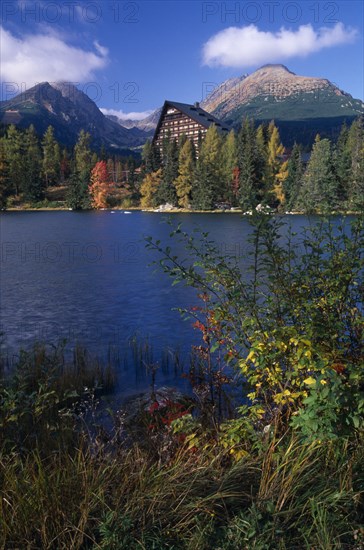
103, 191
101, 185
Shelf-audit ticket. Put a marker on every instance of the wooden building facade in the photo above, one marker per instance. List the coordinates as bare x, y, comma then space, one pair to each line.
177, 119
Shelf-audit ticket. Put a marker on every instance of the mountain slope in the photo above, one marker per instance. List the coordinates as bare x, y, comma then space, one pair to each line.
68, 110
147, 124
301, 106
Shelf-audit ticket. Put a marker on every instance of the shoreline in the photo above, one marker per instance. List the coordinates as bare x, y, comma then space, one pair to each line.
171, 211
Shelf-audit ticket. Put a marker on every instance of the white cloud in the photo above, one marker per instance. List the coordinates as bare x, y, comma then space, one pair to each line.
248, 46
128, 116
46, 57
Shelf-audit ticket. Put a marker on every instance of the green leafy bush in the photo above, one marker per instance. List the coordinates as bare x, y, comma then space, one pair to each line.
295, 316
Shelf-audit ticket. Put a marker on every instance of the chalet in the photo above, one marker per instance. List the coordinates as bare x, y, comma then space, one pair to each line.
177, 119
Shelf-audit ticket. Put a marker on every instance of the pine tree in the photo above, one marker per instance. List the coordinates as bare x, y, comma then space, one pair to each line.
247, 164
292, 183
182, 141
83, 155
229, 164
14, 151
78, 197
133, 180
356, 178
319, 188
32, 184
184, 181
51, 158
151, 158
65, 166
208, 175
167, 190
149, 188
4, 175
261, 162
342, 164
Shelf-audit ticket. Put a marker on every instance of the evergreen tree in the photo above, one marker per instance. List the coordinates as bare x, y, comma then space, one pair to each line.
78, 197
167, 190
207, 182
65, 166
249, 184
261, 161
199, 141
181, 142
293, 181
184, 181
14, 152
132, 179
356, 179
51, 158
319, 188
229, 164
32, 184
83, 156
342, 164
4, 175
151, 158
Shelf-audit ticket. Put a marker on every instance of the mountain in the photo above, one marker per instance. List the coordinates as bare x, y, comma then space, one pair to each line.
301, 106
68, 110
147, 124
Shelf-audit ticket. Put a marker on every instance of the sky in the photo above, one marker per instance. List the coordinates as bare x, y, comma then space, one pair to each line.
130, 56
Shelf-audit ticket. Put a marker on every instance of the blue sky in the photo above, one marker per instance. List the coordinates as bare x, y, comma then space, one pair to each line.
131, 56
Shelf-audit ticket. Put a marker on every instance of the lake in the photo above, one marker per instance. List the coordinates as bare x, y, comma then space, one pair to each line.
86, 277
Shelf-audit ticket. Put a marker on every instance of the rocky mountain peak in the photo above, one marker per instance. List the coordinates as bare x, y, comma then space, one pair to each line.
69, 110
77, 97
274, 67
274, 82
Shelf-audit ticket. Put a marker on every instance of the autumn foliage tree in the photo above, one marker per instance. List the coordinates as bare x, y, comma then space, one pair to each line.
149, 188
101, 187
184, 181
277, 169
244, 168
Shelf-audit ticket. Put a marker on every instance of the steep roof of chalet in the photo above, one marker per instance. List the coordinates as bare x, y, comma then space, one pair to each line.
195, 112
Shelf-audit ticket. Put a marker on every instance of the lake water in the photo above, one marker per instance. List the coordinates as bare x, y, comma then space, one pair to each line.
86, 277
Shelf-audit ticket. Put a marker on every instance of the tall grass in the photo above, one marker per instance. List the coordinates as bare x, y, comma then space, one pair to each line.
66, 484
125, 500
62, 488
